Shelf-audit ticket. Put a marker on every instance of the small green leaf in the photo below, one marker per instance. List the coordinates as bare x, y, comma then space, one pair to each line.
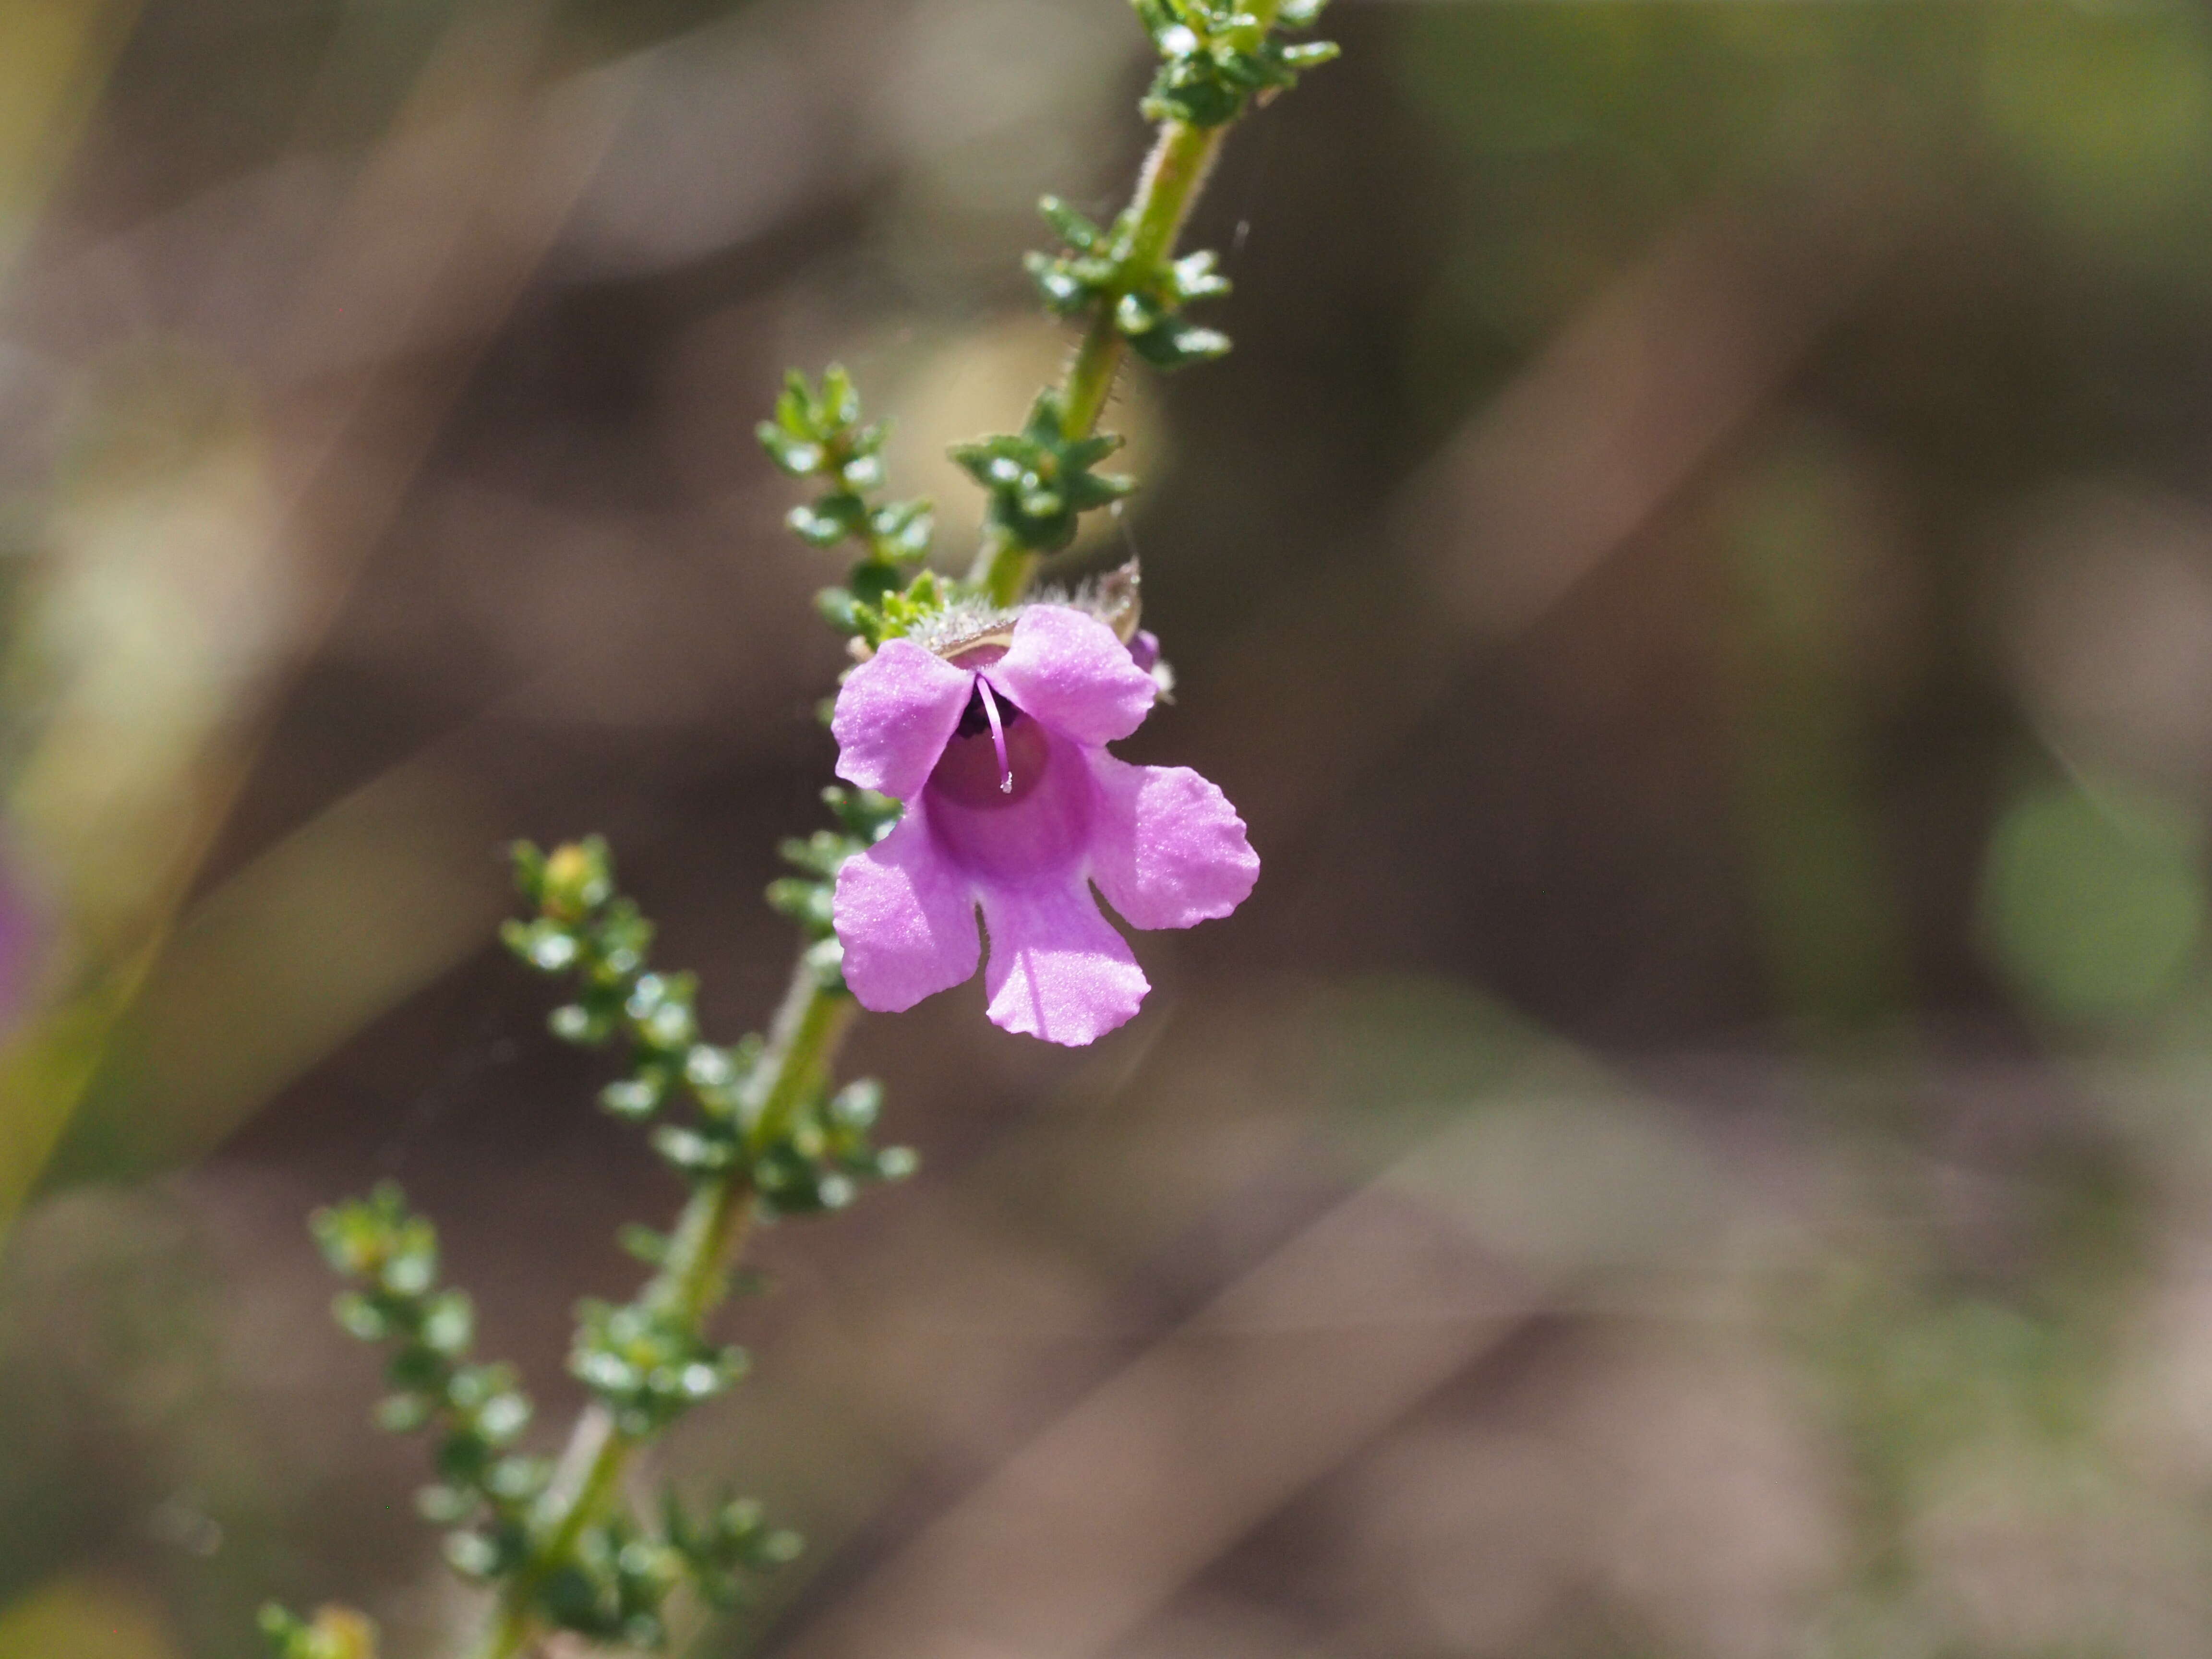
840, 403
633, 1099
1312, 55
1177, 344
448, 1323
800, 457
1070, 225
1194, 277
471, 1556
858, 1104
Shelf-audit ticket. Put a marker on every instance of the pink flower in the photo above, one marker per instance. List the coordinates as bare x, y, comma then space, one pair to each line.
1013, 804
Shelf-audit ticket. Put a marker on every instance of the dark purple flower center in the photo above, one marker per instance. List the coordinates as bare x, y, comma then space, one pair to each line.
975, 722
991, 762
982, 696
1012, 803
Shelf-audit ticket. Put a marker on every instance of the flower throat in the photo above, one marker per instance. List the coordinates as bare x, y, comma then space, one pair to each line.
983, 714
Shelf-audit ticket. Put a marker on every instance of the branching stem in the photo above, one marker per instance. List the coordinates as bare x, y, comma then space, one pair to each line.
1174, 173
708, 1237
813, 1020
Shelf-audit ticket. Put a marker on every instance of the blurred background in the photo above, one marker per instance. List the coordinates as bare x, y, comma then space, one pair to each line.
1698, 574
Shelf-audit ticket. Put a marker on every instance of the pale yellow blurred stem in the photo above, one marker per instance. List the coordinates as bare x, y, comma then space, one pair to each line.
708, 1239
44, 1073
436, 172
55, 57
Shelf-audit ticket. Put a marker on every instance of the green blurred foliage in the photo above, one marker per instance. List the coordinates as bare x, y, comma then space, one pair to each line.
1580, 130
125, 1452
2094, 898
84, 1618
2106, 116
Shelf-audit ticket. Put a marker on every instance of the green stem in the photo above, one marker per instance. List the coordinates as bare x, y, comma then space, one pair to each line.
708, 1237
1004, 568
1168, 189
1174, 174
813, 1022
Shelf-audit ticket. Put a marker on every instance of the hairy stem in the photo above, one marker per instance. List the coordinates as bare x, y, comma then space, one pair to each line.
813, 1020
1174, 174
708, 1237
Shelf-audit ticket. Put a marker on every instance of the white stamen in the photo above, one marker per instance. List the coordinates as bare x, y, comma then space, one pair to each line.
998, 736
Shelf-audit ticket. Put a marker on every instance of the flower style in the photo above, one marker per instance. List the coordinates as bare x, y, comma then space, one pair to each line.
1012, 804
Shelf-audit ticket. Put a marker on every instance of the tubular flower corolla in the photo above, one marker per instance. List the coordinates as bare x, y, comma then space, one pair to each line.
1014, 805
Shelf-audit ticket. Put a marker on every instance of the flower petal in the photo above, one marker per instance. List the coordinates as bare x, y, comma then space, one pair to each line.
1067, 668
906, 918
1167, 848
1058, 970
895, 716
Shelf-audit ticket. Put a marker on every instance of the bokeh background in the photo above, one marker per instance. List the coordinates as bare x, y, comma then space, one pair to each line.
1698, 573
